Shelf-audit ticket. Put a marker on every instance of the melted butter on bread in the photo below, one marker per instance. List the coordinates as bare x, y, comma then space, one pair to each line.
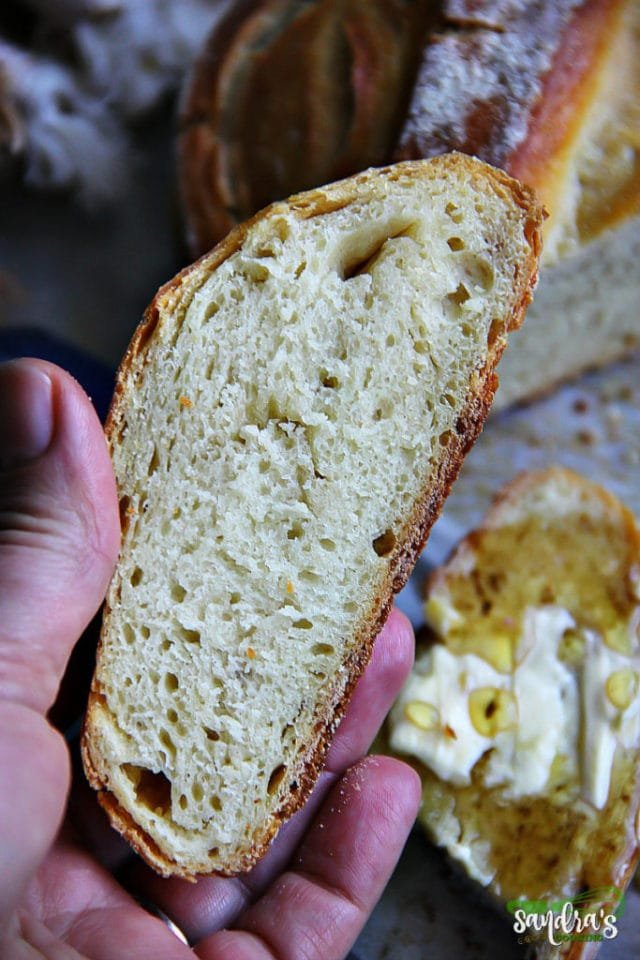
537, 614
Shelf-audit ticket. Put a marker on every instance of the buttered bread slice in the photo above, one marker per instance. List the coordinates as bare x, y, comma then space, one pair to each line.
524, 717
287, 422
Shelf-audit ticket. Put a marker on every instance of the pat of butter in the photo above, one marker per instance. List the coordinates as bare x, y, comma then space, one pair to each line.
553, 703
606, 726
443, 680
547, 699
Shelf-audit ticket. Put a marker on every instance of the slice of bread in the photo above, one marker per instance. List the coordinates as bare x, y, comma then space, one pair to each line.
524, 717
288, 419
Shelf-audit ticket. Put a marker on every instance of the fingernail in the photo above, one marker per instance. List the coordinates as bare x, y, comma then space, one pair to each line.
26, 413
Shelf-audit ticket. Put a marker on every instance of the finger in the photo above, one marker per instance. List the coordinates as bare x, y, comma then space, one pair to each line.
59, 536
74, 909
59, 529
214, 902
317, 908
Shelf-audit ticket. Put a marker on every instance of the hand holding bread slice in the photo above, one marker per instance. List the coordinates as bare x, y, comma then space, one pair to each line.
287, 422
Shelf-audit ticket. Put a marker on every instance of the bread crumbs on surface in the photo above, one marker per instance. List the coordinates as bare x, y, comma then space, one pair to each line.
186, 402
585, 438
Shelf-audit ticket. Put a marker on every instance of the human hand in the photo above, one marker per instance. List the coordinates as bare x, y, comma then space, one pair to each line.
59, 899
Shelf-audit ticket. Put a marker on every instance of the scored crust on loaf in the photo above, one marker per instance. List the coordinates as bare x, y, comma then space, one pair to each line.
530, 760
287, 422
285, 96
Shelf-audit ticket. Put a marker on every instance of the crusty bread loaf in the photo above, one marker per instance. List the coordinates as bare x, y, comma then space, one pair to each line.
549, 90
523, 716
287, 95
287, 422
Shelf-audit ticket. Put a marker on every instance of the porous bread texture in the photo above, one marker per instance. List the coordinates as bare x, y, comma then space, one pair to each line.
552, 539
566, 334
287, 422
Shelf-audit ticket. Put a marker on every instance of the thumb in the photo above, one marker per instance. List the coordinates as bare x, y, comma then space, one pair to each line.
59, 536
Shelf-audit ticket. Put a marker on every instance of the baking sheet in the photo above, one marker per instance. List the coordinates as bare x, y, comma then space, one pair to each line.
87, 276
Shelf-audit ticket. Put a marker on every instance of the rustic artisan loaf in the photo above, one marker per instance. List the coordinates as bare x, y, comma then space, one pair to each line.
523, 715
287, 422
549, 91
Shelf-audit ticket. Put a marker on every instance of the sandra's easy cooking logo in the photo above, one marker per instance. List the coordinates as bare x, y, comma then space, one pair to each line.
589, 916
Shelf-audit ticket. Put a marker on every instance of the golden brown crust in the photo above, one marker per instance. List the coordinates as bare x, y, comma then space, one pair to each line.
177, 293
511, 83
520, 57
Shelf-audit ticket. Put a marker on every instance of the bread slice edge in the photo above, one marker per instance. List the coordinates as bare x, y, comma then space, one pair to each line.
173, 297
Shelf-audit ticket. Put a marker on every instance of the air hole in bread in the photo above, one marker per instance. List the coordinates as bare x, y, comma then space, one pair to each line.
153, 790
327, 544
167, 743
460, 295
171, 682
281, 229
255, 271
216, 803
178, 592
421, 346
300, 269
480, 272
197, 792
384, 411
234, 598
454, 212
295, 531
172, 715
384, 544
445, 438
456, 243
361, 262
211, 734
495, 330
276, 778
153, 463
309, 576
331, 382
128, 634
126, 511
302, 624
211, 310
391, 340
322, 649
183, 803
191, 636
